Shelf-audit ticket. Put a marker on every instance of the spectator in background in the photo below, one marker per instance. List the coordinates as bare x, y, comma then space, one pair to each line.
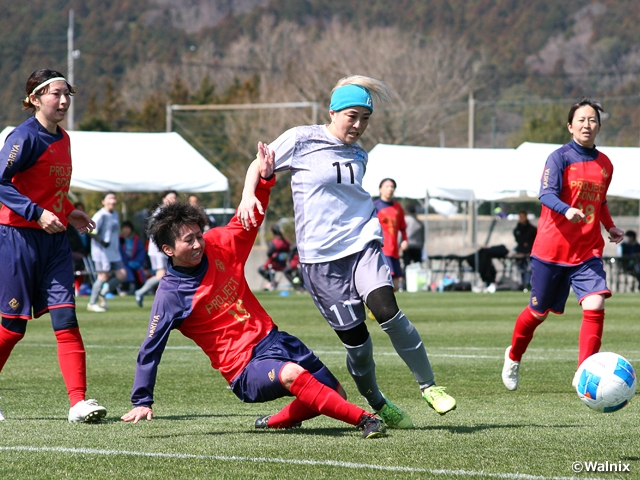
415, 237
133, 256
86, 239
105, 253
524, 234
80, 249
157, 258
391, 217
277, 257
629, 251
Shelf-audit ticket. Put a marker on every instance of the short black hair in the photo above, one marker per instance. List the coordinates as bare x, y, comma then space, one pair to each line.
584, 102
165, 223
630, 233
388, 180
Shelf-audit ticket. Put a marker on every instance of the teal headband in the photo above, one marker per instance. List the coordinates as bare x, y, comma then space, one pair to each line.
351, 96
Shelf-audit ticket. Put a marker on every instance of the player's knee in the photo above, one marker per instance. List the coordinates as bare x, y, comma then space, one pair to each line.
355, 336
289, 373
63, 319
382, 303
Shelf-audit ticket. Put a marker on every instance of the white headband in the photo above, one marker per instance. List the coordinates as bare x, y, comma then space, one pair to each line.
44, 84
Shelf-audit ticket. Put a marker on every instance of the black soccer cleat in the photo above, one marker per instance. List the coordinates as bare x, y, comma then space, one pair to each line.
263, 422
372, 427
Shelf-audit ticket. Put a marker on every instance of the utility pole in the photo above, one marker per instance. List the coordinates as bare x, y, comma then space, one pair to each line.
70, 58
472, 115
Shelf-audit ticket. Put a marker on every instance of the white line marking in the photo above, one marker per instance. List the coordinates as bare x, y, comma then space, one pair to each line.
465, 473
538, 354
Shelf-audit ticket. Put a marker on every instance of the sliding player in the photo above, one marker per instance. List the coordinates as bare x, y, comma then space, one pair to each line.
205, 296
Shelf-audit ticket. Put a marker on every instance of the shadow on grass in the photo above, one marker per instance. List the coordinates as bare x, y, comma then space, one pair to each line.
326, 432
465, 429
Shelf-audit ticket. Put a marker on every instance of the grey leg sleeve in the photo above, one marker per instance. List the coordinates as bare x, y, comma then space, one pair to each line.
362, 368
148, 285
95, 291
407, 342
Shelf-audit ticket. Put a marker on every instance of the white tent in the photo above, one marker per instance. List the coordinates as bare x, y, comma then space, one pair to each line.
138, 162
478, 174
626, 165
453, 173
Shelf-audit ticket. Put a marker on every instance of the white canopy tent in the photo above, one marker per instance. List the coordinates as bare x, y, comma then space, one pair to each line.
474, 175
626, 165
139, 162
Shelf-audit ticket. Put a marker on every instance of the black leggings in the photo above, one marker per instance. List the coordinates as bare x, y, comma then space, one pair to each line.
383, 305
61, 319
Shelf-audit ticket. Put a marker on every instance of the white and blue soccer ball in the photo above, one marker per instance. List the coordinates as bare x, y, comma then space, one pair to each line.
606, 382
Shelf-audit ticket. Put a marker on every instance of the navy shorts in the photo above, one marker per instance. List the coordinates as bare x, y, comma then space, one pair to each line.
37, 272
551, 283
260, 379
394, 266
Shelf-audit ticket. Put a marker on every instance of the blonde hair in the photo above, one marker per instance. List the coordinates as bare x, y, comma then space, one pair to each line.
376, 88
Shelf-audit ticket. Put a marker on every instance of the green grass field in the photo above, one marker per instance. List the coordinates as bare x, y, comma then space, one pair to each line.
201, 430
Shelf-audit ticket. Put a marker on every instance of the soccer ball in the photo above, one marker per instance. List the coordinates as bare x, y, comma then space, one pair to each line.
606, 382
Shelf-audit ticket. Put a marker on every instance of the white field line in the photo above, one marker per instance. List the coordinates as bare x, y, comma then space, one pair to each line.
539, 354
328, 463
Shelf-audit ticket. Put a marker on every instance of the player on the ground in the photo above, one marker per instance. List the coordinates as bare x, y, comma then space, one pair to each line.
205, 296
567, 251
37, 273
339, 242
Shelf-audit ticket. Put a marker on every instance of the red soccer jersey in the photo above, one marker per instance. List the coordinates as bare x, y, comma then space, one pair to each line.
40, 165
214, 307
579, 177
391, 217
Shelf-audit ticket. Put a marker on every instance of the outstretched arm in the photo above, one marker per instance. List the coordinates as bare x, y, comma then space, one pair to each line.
263, 167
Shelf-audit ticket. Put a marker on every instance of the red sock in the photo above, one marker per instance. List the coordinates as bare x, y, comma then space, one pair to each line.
291, 414
72, 359
526, 325
8, 340
322, 399
590, 334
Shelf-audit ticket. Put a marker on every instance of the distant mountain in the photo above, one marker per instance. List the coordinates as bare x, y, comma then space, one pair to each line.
532, 48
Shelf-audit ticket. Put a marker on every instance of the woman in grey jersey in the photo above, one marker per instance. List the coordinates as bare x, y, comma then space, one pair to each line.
339, 241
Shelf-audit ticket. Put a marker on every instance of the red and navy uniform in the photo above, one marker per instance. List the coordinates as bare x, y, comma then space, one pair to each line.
578, 177
35, 172
569, 255
391, 218
37, 267
214, 306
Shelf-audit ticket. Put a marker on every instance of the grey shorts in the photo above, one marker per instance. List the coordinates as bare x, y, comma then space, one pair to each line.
339, 288
103, 264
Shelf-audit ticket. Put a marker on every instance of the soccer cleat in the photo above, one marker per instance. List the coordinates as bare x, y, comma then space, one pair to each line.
510, 371
94, 307
263, 422
371, 426
138, 299
87, 411
438, 400
393, 416
102, 301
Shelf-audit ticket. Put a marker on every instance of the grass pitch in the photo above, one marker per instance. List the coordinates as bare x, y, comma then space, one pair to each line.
201, 430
